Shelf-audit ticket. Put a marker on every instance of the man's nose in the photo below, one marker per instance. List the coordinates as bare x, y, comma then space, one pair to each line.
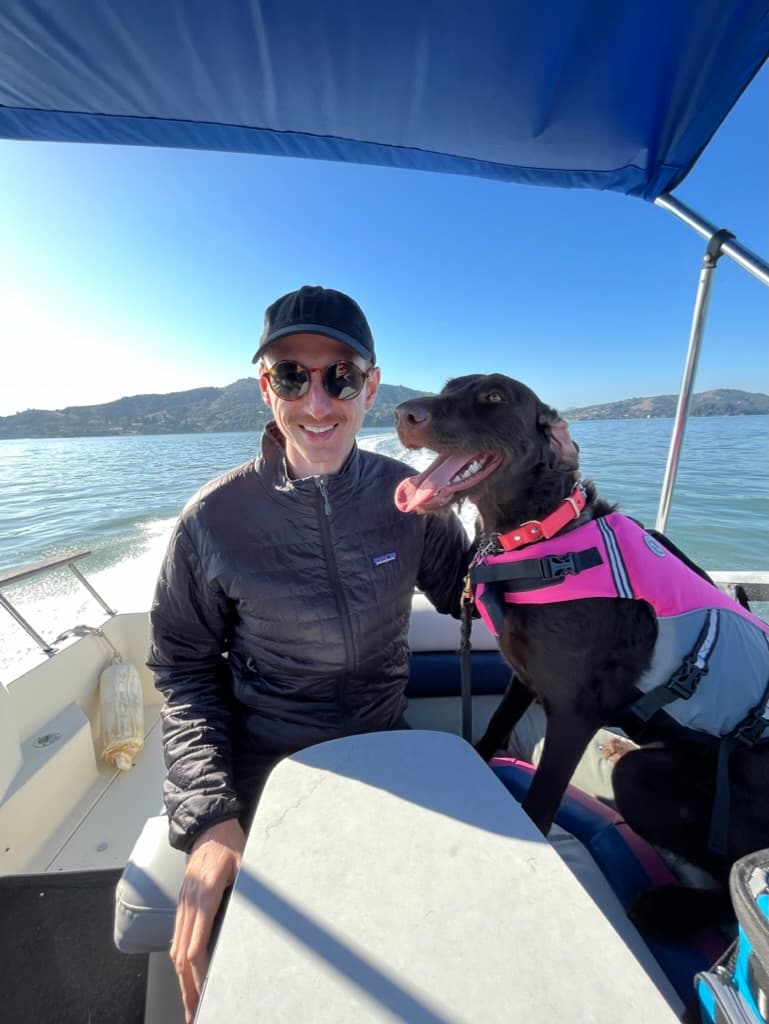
318, 402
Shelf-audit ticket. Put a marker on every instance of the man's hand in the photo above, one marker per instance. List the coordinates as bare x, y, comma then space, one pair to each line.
211, 868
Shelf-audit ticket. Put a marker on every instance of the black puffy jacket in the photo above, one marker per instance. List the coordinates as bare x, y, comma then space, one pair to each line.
307, 585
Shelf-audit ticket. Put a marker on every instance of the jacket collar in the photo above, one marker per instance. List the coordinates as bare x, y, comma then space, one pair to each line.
338, 485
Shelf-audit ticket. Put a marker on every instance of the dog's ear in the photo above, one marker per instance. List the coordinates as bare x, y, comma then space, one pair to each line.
566, 450
557, 432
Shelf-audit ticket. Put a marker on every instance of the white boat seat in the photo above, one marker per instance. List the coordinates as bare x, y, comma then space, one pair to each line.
146, 895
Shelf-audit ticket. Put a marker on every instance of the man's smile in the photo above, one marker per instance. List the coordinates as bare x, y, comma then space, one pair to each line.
318, 431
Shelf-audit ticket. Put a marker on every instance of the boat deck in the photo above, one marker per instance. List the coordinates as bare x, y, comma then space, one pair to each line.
96, 830
102, 829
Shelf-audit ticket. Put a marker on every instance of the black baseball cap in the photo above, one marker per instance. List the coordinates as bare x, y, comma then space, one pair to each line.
315, 310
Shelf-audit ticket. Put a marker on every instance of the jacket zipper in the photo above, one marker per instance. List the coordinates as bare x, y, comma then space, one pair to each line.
336, 585
321, 482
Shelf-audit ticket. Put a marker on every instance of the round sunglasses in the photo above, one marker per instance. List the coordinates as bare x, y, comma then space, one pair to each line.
290, 380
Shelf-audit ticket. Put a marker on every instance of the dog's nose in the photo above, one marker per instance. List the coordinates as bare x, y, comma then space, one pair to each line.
411, 414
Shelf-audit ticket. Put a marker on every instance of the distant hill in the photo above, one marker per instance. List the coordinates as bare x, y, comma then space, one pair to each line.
239, 407
721, 402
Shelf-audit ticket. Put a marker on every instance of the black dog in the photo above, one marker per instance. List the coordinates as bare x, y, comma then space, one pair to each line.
500, 446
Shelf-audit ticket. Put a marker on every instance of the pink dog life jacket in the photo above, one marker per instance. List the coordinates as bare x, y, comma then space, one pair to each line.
614, 557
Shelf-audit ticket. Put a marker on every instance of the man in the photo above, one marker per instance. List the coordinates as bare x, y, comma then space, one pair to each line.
298, 566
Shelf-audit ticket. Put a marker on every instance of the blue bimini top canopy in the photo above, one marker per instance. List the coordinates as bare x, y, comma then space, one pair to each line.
605, 94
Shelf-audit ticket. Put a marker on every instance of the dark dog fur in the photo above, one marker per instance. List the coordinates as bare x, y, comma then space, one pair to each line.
582, 659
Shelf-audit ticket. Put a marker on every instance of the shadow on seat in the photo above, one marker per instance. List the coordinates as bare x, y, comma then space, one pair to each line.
146, 895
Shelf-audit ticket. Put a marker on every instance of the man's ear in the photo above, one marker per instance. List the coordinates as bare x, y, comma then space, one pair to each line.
556, 430
264, 387
372, 386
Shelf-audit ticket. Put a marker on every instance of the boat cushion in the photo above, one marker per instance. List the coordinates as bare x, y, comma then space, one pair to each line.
627, 862
439, 674
146, 895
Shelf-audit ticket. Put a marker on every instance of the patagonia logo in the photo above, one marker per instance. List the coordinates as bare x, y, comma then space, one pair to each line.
382, 559
654, 546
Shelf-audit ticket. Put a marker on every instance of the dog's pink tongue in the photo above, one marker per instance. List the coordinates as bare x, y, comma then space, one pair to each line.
431, 489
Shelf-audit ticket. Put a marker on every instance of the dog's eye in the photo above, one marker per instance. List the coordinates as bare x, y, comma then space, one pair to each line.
492, 396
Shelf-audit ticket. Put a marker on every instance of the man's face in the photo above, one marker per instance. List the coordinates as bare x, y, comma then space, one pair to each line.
319, 430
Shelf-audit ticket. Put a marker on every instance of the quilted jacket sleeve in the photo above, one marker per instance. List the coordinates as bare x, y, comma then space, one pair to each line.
188, 620
445, 558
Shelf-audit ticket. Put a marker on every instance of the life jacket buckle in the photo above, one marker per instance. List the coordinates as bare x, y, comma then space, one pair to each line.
555, 567
686, 679
750, 731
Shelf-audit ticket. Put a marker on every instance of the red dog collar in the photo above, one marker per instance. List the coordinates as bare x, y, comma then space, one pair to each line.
535, 529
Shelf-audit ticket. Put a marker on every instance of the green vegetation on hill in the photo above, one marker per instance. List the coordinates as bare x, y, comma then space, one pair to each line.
721, 402
239, 407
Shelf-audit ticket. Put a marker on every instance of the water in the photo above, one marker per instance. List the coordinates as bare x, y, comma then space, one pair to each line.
119, 497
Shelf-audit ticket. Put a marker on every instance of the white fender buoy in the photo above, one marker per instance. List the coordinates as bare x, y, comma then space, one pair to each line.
122, 714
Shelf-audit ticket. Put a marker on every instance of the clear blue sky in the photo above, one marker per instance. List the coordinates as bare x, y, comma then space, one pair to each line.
129, 270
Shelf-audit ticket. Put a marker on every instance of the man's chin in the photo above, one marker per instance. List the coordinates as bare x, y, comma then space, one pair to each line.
317, 457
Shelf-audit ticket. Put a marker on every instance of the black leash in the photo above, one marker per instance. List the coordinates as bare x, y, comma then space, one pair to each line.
465, 661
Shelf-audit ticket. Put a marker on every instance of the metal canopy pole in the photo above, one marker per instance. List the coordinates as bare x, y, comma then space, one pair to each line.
741, 255
720, 243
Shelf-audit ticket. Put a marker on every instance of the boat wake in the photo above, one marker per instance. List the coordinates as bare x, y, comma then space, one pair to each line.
56, 602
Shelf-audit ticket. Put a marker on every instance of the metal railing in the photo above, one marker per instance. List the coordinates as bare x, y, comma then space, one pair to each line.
754, 584
28, 572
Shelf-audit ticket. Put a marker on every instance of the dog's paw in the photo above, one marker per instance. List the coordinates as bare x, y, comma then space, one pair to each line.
674, 912
615, 748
